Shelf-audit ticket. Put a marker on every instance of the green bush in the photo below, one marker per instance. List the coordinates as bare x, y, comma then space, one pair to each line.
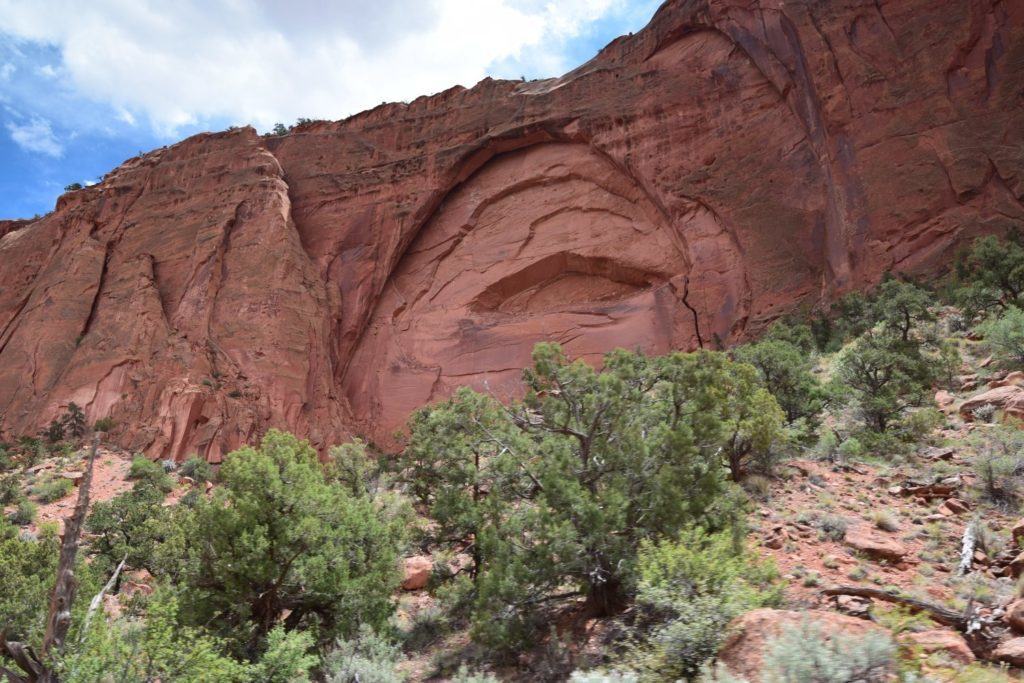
689, 590
154, 648
366, 658
851, 450
129, 526
196, 469
287, 658
900, 307
921, 424
104, 424
7, 460
28, 568
465, 675
10, 489
27, 572
785, 370
149, 473
1004, 335
351, 465
74, 421
278, 542
49, 488
999, 463
803, 653
25, 513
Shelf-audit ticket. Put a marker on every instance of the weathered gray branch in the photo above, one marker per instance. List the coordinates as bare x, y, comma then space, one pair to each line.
58, 618
967, 549
98, 598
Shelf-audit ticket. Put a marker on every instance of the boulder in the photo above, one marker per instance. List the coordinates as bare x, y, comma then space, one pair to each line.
1013, 379
944, 399
750, 634
1009, 399
1016, 565
853, 605
873, 544
75, 477
942, 641
937, 453
1010, 652
1014, 615
1017, 532
417, 572
954, 506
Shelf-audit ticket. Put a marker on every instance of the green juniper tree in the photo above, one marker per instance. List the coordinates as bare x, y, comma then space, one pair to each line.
885, 376
279, 543
557, 492
900, 307
785, 370
991, 275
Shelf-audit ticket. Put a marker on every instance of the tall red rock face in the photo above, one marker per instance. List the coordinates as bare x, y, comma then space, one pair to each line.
731, 162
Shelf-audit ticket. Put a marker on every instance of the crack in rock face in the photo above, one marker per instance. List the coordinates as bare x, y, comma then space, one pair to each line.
549, 243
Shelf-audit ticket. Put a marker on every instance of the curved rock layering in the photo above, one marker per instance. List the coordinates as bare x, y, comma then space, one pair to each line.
733, 161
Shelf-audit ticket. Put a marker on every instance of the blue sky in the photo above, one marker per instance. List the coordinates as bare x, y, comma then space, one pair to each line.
84, 86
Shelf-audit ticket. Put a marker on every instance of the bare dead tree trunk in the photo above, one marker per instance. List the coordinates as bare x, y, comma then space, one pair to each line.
98, 598
967, 549
58, 619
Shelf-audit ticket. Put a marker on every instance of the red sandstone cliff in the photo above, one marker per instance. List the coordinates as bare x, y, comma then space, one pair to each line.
732, 161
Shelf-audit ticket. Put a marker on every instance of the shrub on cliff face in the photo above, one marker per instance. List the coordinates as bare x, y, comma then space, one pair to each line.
555, 494
278, 543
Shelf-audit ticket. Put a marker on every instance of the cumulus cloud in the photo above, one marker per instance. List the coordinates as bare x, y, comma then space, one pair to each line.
36, 136
183, 63
6, 71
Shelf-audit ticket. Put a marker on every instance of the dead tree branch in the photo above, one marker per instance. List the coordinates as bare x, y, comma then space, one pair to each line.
58, 618
981, 633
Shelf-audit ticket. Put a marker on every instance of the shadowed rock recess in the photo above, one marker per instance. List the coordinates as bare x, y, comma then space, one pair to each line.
731, 162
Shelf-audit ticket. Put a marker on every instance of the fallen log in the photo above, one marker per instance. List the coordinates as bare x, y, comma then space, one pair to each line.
982, 633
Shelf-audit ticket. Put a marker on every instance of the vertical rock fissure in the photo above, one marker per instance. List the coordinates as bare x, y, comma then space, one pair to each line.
696, 318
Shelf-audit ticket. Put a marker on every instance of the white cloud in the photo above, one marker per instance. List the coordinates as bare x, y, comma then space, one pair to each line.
262, 61
48, 71
36, 136
6, 71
